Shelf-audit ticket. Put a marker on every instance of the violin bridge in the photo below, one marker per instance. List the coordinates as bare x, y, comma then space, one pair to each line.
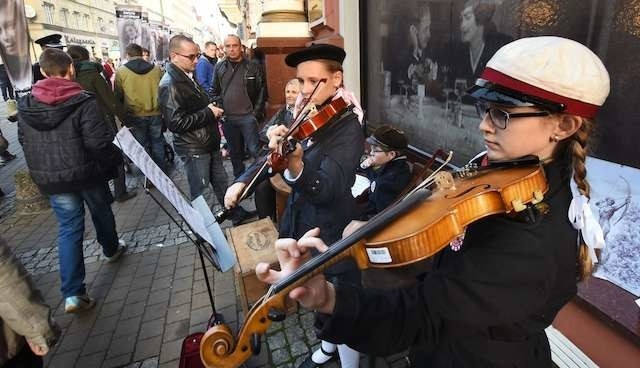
444, 181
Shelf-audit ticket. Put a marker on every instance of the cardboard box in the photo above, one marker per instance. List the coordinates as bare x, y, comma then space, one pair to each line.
252, 243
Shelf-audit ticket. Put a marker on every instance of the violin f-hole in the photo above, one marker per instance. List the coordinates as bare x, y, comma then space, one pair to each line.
468, 190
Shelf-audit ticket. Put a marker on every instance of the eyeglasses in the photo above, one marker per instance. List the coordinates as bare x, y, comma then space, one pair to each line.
500, 118
191, 57
374, 151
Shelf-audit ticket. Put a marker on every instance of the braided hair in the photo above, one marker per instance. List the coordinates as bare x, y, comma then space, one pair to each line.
577, 147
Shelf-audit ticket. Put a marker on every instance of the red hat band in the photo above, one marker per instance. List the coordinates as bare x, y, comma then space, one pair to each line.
574, 107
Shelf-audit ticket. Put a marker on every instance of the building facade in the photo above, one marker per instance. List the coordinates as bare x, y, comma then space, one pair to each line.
89, 23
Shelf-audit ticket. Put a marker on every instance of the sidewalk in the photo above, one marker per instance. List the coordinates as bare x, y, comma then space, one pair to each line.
151, 299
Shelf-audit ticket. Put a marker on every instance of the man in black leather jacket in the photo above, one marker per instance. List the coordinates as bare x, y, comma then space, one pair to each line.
238, 86
194, 122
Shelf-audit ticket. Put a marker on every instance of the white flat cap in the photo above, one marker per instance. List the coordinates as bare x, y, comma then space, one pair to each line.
553, 72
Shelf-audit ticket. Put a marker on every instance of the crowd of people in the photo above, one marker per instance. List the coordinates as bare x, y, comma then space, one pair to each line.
487, 299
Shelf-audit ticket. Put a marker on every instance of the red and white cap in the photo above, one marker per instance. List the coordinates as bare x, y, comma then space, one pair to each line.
556, 73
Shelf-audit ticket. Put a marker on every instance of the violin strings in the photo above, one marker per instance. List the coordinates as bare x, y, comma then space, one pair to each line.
429, 180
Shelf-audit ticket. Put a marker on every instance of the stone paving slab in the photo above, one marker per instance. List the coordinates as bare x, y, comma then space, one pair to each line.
150, 300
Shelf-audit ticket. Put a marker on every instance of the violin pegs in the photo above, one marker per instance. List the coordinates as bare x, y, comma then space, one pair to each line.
537, 197
518, 206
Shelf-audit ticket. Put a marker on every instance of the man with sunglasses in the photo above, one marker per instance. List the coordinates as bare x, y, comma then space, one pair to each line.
136, 85
193, 120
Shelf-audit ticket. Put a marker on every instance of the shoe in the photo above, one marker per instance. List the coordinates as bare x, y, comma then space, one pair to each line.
12, 110
7, 156
125, 196
75, 304
148, 184
122, 247
309, 363
242, 216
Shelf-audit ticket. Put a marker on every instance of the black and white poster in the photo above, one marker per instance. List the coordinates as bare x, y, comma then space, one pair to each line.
129, 25
159, 42
421, 55
14, 43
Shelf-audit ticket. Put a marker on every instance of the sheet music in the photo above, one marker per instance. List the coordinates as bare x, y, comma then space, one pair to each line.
195, 218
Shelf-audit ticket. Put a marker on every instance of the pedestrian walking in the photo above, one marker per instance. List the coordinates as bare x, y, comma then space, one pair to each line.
70, 155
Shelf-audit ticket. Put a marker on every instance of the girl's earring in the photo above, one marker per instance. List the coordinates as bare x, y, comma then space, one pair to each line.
554, 138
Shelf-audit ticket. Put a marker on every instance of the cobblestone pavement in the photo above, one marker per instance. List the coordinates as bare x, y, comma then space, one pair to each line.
151, 299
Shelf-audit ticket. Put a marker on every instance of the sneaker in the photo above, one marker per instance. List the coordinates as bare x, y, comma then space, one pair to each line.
122, 247
125, 196
75, 304
7, 156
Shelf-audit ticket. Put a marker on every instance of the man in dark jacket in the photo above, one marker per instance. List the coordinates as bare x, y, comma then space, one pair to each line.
238, 87
206, 65
193, 120
88, 75
68, 149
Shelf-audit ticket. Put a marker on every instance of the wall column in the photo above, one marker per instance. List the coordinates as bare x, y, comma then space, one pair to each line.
282, 29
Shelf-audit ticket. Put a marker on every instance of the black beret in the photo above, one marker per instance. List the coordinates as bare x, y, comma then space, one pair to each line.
52, 40
315, 52
388, 138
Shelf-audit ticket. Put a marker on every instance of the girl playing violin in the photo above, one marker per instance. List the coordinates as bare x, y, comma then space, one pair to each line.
321, 170
491, 294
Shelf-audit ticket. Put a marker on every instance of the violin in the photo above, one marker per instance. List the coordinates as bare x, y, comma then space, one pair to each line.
306, 124
306, 128
416, 227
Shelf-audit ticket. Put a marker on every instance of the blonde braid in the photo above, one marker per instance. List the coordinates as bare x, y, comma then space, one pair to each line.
578, 146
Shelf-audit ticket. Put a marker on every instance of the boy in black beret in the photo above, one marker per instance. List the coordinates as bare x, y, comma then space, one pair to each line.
386, 168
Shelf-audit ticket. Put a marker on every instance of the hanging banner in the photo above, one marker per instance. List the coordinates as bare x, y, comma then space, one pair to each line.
129, 18
14, 44
159, 42
145, 37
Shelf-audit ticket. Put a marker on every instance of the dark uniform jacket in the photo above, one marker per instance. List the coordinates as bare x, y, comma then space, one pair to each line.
183, 104
322, 194
486, 305
254, 84
66, 142
387, 182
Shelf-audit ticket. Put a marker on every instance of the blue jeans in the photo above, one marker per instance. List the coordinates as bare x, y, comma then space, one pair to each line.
69, 210
148, 131
204, 169
239, 131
